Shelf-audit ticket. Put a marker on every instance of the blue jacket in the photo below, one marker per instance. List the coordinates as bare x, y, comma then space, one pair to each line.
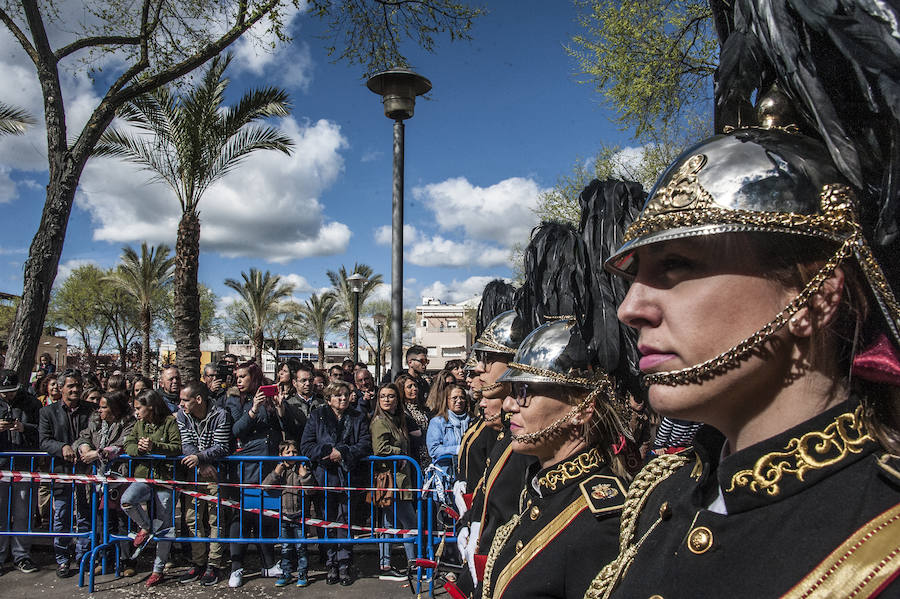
350, 436
445, 434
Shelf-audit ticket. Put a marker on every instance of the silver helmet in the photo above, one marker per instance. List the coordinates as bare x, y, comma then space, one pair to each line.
499, 335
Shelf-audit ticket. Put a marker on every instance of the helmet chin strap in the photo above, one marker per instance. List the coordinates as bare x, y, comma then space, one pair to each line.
557, 426
492, 417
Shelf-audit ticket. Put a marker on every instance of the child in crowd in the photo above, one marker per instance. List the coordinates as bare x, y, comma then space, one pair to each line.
291, 473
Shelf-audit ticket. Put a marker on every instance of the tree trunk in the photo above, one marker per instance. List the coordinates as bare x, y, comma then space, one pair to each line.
146, 324
258, 341
187, 298
321, 353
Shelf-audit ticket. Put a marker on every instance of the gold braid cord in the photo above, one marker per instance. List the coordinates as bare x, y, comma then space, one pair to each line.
597, 380
500, 537
638, 493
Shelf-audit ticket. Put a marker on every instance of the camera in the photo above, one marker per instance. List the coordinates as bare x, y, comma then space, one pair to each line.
224, 370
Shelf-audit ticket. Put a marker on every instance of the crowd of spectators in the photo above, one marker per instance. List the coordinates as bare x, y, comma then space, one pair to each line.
334, 418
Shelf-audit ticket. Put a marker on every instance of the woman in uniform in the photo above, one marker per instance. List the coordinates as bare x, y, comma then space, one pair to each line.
761, 312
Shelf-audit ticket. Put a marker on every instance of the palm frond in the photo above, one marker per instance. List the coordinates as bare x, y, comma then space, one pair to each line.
14, 120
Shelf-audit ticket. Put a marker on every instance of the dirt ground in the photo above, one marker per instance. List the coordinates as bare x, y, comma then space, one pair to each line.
45, 584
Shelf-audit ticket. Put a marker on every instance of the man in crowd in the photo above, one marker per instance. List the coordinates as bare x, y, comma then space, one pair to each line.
216, 386
306, 400
205, 438
59, 425
319, 381
417, 363
18, 432
170, 387
364, 394
336, 374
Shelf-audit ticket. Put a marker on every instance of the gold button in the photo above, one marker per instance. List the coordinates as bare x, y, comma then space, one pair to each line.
700, 540
519, 545
535, 512
665, 512
500, 436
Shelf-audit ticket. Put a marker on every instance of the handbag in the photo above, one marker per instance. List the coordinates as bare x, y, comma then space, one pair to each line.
384, 479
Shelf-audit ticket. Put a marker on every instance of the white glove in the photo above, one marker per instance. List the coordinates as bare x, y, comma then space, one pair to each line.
459, 489
469, 554
462, 539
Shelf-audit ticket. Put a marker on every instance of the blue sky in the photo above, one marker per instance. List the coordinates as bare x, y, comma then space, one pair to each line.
505, 118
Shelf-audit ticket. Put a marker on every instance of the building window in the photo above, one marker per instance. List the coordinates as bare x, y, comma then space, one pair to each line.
452, 324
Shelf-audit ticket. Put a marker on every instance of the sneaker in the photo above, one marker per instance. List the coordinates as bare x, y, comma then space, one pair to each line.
191, 575
128, 568
273, 572
26, 565
391, 574
155, 579
332, 577
236, 579
283, 580
347, 578
302, 580
211, 577
141, 537
64, 570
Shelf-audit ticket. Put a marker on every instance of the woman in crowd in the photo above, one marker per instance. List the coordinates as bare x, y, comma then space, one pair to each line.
457, 368
49, 390
116, 382
760, 312
259, 427
91, 395
390, 437
336, 438
446, 429
284, 377
155, 432
439, 384
140, 383
100, 443
418, 412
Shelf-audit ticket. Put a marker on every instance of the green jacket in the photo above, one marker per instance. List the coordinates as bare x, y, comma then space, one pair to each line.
166, 441
388, 441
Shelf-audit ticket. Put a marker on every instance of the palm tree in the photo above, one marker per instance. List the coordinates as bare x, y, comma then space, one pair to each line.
145, 278
322, 315
14, 120
345, 297
261, 294
190, 142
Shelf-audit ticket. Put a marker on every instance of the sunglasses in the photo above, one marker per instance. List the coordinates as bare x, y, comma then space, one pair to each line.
520, 394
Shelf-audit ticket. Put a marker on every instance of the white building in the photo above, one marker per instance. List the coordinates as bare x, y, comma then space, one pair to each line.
441, 328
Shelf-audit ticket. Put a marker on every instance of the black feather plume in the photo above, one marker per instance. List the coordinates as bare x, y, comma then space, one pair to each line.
498, 297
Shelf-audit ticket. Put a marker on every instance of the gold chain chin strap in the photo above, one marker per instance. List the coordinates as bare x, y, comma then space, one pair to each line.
733, 357
638, 493
553, 428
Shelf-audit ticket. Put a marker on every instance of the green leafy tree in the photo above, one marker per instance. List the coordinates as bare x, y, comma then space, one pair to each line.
369, 330
653, 60
346, 299
13, 120
321, 315
145, 278
284, 325
209, 323
195, 141
260, 296
122, 314
152, 43
74, 306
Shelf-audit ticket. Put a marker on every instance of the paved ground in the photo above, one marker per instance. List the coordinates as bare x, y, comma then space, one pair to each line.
45, 584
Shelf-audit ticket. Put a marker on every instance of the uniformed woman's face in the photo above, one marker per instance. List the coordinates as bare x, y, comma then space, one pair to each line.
533, 408
491, 368
693, 299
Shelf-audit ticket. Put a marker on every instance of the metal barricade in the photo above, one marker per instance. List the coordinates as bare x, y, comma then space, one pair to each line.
72, 508
245, 504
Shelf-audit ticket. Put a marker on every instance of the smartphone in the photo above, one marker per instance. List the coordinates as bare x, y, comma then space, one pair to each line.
269, 390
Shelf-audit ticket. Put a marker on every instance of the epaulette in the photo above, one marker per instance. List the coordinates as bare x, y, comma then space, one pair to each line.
603, 493
890, 463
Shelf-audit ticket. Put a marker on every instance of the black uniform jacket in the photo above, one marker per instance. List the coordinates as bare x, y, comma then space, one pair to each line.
791, 500
568, 515
474, 448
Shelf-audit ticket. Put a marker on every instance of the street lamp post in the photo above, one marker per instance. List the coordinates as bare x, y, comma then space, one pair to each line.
379, 326
357, 282
398, 89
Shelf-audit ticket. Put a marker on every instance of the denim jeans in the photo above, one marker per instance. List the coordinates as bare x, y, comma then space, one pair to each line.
20, 493
405, 518
292, 553
63, 520
132, 504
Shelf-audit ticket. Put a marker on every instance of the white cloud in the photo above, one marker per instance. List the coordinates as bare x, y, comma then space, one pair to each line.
371, 156
7, 186
65, 269
457, 291
502, 213
9, 251
267, 208
438, 250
